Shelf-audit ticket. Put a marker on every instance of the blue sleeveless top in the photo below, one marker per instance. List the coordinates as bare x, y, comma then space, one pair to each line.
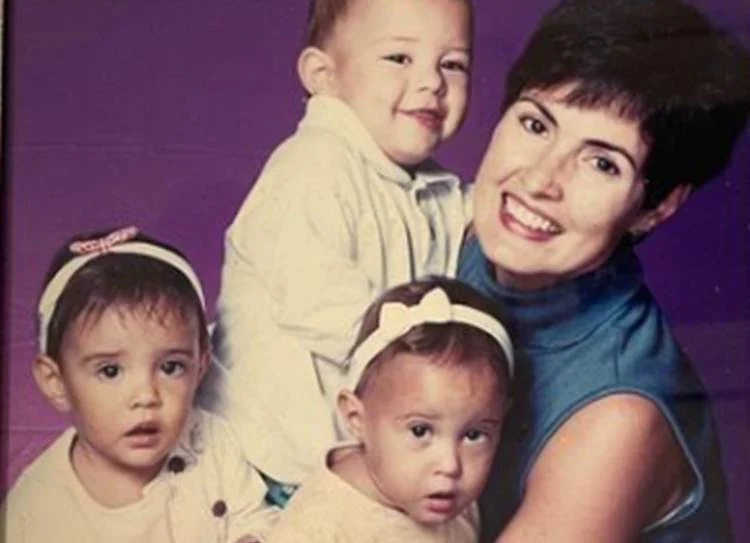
598, 334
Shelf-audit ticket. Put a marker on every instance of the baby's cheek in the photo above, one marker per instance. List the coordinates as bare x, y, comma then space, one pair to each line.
180, 390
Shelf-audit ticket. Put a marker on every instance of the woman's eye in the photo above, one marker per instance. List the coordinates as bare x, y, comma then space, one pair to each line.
419, 430
605, 165
532, 125
398, 58
173, 368
109, 371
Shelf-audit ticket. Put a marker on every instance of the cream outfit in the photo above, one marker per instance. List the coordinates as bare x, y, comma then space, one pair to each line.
204, 471
330, 224
327, 509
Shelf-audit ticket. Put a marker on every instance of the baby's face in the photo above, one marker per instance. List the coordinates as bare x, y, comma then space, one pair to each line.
430, 432
130, 377
403, 67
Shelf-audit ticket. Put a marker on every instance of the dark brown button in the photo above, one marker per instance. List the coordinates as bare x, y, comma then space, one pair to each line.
176, 464
219, 508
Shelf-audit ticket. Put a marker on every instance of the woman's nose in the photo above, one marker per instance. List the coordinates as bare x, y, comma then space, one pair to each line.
545, 175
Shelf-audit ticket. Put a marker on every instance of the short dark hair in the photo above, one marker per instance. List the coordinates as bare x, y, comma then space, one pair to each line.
448, 343
660, 62
322, 16
120, 279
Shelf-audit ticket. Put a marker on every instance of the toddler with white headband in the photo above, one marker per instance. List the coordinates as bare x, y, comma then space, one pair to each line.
123, 347
428, 387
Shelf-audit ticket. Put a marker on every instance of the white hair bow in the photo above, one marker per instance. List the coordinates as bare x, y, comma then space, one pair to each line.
119, 241
396, 319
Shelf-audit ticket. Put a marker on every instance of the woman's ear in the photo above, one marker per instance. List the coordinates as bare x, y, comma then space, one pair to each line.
352, 412
649, 219
50, 382
315, 69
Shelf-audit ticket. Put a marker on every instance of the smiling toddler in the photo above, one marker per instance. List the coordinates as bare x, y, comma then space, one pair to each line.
350, 205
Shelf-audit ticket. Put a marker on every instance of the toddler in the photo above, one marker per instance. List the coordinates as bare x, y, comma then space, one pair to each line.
430, 375
348, 206
123, 345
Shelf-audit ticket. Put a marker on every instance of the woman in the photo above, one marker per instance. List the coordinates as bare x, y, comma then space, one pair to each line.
614, 113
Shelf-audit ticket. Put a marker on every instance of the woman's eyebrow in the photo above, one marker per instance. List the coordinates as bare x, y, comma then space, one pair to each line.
614, 148
542, 109
592, 141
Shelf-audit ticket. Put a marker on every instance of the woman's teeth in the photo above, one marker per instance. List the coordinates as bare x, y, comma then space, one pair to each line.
528, 218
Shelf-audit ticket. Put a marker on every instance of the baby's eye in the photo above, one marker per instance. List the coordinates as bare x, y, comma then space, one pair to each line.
473, 435
605, 165
398, 58
109, 371
455, 66
420, 430
173, 368
532, 124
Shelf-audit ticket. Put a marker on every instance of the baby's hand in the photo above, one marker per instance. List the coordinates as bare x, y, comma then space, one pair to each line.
248, 539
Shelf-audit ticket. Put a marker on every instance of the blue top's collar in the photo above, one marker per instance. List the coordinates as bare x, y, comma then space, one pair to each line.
559, 315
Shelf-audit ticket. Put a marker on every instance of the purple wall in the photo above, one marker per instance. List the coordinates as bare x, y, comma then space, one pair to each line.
160, 113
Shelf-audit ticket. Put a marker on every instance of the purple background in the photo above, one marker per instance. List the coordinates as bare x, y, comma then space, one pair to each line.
160, 113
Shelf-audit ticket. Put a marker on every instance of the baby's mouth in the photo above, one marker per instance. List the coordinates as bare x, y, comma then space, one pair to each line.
431, 119
441, 502
143, 429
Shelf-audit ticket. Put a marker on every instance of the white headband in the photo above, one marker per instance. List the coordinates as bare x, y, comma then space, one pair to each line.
396, 319
117, 242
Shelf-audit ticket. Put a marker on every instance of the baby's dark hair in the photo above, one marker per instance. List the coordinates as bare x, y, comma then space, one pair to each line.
120, 279
660, 62
322, 16
443, 343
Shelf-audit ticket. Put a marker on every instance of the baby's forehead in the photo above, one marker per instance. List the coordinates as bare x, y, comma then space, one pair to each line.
451, 398
435, 378
381, 19
126, 326
153, 311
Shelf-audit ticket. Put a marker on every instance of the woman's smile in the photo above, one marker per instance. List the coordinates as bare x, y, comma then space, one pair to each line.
525, 220
557, 189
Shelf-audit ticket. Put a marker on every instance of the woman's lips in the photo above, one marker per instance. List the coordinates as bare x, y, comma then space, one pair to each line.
525, 221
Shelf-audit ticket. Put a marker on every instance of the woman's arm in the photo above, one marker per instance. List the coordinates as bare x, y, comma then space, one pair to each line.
610, 470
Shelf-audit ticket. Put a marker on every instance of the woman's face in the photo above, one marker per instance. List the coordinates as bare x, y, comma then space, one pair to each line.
557, 189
